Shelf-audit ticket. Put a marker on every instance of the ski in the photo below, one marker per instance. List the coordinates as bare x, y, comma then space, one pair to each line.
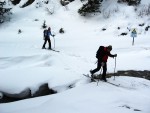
53, 50
92, 79
118, 85
97, 80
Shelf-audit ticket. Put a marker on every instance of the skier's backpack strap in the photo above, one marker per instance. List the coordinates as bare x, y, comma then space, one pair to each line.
45, 33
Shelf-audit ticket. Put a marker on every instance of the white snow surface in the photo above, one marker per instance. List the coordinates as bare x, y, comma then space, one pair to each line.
23, 64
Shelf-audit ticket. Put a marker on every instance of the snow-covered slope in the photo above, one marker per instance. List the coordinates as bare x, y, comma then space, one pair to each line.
24, 64
90, 98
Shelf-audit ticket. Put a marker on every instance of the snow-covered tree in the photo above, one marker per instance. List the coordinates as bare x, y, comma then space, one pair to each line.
15, 2
3, 11
92, 6
130, 2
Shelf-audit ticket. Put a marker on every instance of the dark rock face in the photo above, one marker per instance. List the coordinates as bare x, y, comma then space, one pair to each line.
123, 34
15, 2
64, 2
141, 24
141, 74
146, 29
25, 94
7, 97
103, 29
43, 90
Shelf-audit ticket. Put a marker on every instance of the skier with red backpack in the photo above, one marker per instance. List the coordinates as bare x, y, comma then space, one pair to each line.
102, 56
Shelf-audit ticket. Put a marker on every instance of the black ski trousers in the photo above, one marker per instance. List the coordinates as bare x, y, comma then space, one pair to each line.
47, 39
99, 65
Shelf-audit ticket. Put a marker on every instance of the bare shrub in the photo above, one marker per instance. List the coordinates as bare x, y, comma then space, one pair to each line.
50, 10
4, 12
143, 10
109, 12
130, 2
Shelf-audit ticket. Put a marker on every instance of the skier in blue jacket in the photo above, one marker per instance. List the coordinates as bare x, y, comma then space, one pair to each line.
47, 34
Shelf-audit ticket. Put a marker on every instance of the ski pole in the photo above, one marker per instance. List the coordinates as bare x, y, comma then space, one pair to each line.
54, 42
115, 68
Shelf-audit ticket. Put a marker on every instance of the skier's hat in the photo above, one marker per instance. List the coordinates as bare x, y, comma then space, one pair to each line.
109, 47
49, 28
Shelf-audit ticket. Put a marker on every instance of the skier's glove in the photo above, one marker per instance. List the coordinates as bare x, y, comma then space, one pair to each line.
115, 55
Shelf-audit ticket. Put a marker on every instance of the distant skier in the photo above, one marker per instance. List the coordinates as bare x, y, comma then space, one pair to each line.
47, 34
102, 56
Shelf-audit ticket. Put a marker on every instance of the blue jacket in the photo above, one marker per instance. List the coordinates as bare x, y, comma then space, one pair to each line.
47, 33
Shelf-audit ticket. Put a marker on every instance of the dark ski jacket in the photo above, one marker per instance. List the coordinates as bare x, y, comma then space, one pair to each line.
102, 54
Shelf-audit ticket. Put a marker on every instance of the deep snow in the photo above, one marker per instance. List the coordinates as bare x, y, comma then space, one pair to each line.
24, 64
